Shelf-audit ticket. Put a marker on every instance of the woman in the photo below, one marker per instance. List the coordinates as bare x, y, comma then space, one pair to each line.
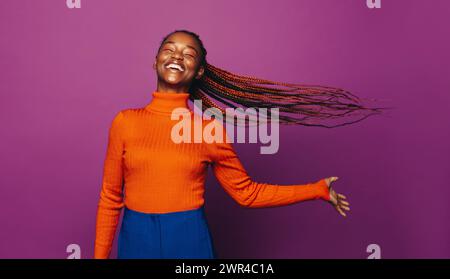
160, 184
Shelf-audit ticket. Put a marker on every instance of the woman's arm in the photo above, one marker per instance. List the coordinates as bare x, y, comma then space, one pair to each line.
233, 177
111, 195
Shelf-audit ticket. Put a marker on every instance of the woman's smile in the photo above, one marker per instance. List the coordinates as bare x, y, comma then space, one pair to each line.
174, 67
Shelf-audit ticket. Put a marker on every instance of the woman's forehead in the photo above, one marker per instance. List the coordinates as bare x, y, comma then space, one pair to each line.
183, 39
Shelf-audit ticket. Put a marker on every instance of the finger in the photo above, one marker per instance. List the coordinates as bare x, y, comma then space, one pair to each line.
340, 211
344, 202
344, 207
341, 196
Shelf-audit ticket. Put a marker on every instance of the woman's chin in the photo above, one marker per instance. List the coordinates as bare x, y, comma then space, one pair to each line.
173, 81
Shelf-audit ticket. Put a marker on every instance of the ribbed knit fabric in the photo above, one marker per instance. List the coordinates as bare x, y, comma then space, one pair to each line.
146, 171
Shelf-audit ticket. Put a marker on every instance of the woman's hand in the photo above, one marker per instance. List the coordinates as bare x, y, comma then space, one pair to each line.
337, 200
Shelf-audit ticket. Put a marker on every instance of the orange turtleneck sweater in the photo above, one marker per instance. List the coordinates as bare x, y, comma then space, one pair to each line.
146, 171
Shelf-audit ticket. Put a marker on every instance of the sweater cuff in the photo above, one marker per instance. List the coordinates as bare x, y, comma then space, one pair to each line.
323, 190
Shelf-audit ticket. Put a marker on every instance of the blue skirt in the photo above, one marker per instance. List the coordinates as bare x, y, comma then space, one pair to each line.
174, 235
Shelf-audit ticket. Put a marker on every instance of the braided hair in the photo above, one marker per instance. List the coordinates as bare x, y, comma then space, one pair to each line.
300, 104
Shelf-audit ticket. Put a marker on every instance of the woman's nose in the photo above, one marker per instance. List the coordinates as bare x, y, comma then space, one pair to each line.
177, 55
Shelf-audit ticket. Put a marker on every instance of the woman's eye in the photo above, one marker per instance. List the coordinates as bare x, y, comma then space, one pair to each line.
190, 55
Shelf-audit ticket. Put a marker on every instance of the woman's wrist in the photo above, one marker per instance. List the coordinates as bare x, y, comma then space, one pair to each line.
324, 190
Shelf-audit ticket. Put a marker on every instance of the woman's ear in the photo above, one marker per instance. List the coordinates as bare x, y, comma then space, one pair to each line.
200, 72
154, 65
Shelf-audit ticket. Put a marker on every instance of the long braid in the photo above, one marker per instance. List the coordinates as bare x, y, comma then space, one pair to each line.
301, 104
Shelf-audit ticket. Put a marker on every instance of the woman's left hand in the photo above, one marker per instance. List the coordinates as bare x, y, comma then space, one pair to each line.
337, 200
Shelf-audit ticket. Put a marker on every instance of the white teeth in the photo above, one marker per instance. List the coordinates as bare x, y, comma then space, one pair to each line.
175, 66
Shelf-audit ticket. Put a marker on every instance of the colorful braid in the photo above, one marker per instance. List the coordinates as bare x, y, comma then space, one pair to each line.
301, 104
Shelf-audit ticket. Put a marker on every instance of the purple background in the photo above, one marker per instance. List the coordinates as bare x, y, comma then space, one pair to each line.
65, 73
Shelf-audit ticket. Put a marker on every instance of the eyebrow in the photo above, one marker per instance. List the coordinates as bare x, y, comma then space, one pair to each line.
172, 42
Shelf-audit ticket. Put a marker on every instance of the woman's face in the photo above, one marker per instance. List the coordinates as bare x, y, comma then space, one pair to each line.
179, 61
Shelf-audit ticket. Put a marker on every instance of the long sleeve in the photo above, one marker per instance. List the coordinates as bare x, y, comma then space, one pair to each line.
111, 194
232, 176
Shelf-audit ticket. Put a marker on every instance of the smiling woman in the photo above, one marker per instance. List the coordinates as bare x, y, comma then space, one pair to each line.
160, 183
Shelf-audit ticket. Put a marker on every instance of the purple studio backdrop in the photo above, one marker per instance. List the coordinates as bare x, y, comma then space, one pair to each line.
66, 72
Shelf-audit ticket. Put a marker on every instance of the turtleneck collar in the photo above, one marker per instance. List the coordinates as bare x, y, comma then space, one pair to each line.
164, 102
